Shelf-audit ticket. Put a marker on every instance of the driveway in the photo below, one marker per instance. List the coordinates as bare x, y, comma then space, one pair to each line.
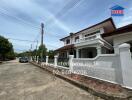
20, 81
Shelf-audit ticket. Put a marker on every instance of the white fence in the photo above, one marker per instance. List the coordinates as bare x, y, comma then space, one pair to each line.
103, 60
54, 63
109, 67
102, 67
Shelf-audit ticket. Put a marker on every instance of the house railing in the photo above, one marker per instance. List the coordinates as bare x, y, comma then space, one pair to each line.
83, 62
51, 60
92, 37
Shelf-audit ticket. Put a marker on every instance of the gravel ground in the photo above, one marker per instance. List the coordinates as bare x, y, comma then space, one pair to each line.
26, 82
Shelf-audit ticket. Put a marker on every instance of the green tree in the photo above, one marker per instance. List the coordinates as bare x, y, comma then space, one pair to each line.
42, 50
51, 54
6, 49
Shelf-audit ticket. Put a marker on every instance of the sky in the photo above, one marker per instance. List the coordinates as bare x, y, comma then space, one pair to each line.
21, 19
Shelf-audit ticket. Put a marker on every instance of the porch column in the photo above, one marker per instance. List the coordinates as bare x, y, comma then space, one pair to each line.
98, 50
77, 53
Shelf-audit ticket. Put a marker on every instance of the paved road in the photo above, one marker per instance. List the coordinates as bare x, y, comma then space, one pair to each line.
27, 82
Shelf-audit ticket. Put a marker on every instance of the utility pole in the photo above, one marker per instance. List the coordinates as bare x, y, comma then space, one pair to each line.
36, 49
30, 52
42, 33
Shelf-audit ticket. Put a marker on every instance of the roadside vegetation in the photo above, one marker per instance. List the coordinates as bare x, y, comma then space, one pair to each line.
6, 49
38, 52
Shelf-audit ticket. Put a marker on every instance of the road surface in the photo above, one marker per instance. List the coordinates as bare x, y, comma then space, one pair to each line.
20, 81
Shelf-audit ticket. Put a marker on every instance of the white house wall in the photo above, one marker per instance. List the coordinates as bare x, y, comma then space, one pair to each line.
83, 33
120, 39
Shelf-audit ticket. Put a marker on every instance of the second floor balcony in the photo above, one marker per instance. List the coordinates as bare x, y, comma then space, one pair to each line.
92, 40
85, 39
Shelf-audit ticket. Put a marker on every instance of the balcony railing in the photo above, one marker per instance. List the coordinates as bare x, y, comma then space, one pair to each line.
89, 38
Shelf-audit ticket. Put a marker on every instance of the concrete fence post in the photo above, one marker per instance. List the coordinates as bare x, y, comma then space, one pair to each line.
31, 58
126, 64
47, 59
71, 62
55, 60
37, 59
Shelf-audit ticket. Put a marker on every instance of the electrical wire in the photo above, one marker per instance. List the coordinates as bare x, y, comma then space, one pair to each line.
5, 12
21, 40
69, 6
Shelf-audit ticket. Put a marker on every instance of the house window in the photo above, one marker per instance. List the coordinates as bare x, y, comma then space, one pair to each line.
68, 41
76, 39
92, 33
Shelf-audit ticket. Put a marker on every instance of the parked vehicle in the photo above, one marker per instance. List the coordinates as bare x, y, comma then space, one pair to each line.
23, 60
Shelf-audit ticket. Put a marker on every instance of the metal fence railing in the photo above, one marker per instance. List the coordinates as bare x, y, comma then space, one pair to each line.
42, 60
63, 62
51, 61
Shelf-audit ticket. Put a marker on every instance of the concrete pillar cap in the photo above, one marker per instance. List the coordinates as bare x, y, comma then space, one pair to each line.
56, 56
124, 45
71, 56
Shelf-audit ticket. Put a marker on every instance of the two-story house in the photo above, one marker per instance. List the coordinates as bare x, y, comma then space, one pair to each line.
88, 43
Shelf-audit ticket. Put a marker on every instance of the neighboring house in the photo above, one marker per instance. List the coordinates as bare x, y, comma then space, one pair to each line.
88, 43
102, 38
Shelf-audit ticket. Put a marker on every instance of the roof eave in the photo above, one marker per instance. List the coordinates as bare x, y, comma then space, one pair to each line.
109, 19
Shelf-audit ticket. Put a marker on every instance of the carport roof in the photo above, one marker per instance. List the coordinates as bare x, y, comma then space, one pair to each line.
67, 47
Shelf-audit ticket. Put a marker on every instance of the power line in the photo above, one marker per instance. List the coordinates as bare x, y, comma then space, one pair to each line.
21, 21
17, 18
21, 40
61, 13
65, 9
70, 5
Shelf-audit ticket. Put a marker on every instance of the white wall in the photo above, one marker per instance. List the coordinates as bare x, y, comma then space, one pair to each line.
106, 67
83, 33
120, 39
107, 74
126, 64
